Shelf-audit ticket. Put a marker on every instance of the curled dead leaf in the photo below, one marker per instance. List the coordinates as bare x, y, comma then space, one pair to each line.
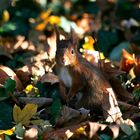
24, 74
127, 61
70, 116
5, 73
49, 78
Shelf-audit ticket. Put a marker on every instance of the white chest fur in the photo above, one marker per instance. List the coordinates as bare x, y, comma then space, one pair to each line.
65, 77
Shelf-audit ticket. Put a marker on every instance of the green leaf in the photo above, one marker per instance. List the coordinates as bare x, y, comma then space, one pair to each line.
136, 94
19, 131
23, 116
55, 109
104, 137
5, 116
3, 94
126, 129
118, 49
106, 39
10, 85
7, 137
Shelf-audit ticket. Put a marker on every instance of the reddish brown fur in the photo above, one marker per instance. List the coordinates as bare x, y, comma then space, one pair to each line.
86, 78
77, 75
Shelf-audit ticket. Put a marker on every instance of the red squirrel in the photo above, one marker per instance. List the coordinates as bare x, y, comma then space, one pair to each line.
77, 75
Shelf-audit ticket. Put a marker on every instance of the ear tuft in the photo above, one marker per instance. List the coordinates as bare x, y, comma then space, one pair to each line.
73, 36
57, 35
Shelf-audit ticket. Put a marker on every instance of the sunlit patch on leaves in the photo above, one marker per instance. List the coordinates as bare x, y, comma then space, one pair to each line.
7, 132
81, 130
89, 42
23, 116
45, 18
89, 52
31, 90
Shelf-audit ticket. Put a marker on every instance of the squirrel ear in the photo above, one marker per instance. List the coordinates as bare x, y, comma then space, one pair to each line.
73, 36
57, 35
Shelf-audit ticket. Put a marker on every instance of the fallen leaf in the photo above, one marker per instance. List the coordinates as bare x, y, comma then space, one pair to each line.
19, 131
54, 20
8, 132
126, 129
69, 115
16, 113
49, 78
37, 122
127, 61
45, 14
25, 115
29, 88
6, 73
62, 133
89, 41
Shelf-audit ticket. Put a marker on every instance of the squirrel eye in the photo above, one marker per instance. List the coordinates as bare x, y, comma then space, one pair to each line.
72, 51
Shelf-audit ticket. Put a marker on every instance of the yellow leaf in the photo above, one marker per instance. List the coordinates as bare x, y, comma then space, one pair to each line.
7, 132
28, 88
81, 130
5, 16
26, 114
16, 113
45, 14
102, 55
41, 26
89, 41
54, 20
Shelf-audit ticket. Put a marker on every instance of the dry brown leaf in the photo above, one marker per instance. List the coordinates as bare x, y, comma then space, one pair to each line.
127, 61
49, 78
110, 107
70, 116
24, 74
61, 134
67, 114
93, 128
5, 73
40, 101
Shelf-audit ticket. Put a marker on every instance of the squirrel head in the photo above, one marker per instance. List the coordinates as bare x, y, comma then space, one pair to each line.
66, 53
